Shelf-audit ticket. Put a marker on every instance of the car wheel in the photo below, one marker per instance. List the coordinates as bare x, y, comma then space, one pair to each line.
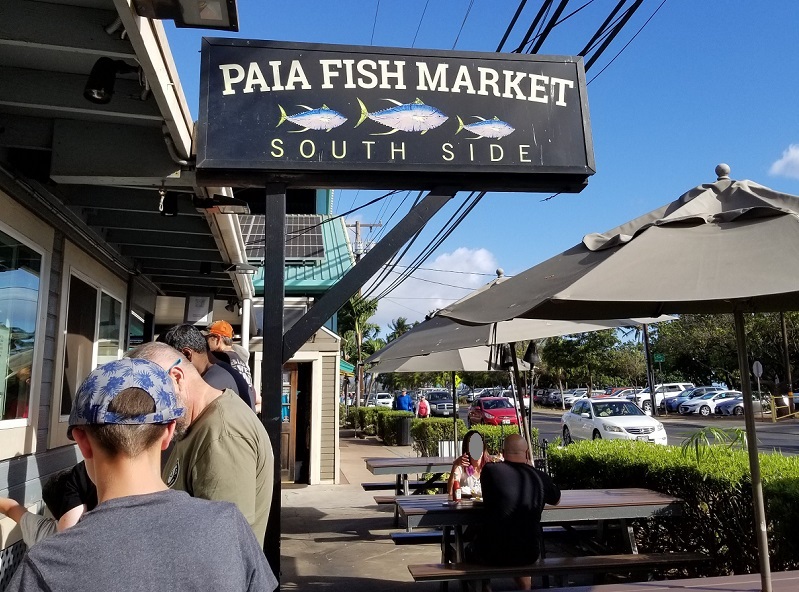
704, 410
597, 435
567, 436
647, 406
738, 411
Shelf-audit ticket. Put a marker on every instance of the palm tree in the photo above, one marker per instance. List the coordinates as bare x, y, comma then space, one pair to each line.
399, 327
354, 316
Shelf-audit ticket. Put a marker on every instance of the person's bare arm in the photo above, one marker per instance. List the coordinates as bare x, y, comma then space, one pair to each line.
71, 517
12, 508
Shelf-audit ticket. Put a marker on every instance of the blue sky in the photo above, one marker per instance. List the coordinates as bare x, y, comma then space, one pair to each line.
703, 82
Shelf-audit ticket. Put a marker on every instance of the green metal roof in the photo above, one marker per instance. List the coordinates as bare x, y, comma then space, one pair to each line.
306, 280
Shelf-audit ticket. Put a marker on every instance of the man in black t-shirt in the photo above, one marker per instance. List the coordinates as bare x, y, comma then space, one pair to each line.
514, 495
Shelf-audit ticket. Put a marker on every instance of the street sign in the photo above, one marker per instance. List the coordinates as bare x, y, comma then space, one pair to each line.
757, 369
660, 358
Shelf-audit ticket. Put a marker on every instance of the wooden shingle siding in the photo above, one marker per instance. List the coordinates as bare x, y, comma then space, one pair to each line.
327, 454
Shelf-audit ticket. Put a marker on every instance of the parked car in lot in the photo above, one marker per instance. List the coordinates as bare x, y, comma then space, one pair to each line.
569, 397
662, 391
615, 391
492, 411
441, 404
735, 406
706, 404
672, 404
555, 397
612, 419
380, 400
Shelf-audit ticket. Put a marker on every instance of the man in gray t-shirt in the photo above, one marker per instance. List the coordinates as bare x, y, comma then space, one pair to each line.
141, 536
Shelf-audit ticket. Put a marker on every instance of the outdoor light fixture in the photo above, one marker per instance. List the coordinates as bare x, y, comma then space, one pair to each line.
198, 14
531, 354
506, 357
242, 268
168, 206
100, 86
221, 204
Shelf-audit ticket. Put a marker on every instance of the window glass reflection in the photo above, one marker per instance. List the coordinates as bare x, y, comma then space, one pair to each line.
20, 270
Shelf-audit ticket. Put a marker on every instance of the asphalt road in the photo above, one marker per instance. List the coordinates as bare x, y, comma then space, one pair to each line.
782, 436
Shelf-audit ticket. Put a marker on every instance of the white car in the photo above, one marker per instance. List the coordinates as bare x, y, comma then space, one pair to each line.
611, 419
706, 404
380, 400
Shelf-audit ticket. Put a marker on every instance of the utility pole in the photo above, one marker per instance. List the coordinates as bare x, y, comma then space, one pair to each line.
359, 250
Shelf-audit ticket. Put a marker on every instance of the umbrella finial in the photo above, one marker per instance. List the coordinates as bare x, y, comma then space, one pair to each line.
500, 272
722, 171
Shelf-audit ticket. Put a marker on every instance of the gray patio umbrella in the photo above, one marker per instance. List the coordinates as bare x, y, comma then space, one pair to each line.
468, 359
439, 334
728, 246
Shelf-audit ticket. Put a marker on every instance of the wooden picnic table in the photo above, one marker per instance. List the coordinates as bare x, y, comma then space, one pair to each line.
402, 467
576, 505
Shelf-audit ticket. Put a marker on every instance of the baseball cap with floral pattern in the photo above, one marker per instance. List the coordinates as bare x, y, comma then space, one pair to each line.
105, 382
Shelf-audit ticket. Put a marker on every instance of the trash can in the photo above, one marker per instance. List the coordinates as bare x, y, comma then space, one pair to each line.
404, 431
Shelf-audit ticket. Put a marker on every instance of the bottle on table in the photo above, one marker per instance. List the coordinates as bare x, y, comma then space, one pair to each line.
456, 491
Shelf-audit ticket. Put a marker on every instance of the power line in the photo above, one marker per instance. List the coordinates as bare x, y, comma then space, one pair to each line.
419, 26
628, 43
453, 223
307, 229
452, 271
466, 16
374, 25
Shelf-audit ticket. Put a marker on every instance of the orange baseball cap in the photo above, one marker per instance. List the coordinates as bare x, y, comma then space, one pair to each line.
222, 328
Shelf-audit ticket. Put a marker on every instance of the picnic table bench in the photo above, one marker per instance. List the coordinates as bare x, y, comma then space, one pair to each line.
413, 485
596, 565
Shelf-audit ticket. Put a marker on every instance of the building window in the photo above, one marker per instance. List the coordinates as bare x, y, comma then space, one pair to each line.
92, 327
20, 273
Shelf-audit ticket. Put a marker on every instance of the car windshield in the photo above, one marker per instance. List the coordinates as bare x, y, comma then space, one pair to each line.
708, 396
497, 404
438, 397
616, 408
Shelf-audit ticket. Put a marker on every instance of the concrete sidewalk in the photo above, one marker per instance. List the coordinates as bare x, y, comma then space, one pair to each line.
335, 537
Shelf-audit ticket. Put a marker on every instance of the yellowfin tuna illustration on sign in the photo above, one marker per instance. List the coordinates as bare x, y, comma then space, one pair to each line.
408, 117
323, 118
486, 128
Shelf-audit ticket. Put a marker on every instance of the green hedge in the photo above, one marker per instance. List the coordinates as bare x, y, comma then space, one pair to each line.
428, 432
495, 435
717, 518
367, 419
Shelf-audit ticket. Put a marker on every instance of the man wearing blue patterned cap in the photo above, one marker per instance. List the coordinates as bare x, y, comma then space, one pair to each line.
123, 416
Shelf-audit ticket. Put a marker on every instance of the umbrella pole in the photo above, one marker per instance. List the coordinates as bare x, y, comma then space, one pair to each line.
454, 417
524, 426
754, 461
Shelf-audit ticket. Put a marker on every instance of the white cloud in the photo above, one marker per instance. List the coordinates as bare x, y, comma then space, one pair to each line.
788, 165
426, 290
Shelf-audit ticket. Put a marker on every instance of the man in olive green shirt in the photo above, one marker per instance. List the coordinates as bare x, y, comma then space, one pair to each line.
222, 451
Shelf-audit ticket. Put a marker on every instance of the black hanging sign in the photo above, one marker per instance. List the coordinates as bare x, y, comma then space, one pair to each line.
327, 116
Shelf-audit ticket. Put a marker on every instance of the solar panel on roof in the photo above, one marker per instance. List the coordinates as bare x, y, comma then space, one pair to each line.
303, 237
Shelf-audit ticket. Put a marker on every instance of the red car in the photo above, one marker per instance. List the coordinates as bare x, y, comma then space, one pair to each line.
492, 411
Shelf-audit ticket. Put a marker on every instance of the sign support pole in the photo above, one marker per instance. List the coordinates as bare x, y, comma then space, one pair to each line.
272, 361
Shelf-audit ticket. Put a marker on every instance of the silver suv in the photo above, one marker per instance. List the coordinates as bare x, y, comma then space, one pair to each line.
662, 391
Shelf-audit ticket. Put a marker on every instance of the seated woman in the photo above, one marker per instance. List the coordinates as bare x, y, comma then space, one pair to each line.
466, 468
